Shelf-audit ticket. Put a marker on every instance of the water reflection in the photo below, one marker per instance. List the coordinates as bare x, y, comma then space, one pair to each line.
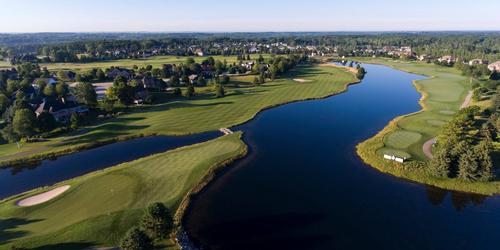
459, 200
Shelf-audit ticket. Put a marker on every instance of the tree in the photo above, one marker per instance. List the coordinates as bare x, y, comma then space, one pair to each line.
468, 166
4, 102
440, 165
190, 91
8, 133
225, 79
46, 121
24, 122
360, 74
136, 239
219, 89
62, 89
100, 75
74, 121
157, 221
49, 91
86, 93
483, 153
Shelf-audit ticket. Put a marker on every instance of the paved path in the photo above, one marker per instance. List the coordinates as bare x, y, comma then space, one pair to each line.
427, 147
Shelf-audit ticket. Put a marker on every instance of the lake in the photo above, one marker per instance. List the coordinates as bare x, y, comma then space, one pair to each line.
20, 179
302, 186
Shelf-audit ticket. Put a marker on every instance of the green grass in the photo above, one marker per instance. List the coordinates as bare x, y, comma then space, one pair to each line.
99, 207
155, 61
200, 114
443, 94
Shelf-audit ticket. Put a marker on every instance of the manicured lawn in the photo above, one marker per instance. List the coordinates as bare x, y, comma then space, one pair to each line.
100, 207
155, 61
202, 113
443, 94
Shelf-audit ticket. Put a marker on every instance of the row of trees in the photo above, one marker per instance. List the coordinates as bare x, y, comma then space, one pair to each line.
464, 151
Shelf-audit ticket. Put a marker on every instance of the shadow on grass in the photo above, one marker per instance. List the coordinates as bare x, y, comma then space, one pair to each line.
8, 225
65, 246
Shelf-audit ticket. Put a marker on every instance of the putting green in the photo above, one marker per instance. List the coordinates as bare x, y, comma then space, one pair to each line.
402, 139
101, 206
434, 122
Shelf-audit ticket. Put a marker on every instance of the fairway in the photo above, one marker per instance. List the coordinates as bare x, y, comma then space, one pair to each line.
199, 114
155, 61
443, 94
100, 207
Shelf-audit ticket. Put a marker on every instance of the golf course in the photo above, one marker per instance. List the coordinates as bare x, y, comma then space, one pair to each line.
113, 200
443, 94
204, 112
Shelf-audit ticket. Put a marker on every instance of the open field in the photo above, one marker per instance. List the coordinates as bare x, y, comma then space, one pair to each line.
100, 207
443, 94
199, 114
155, 61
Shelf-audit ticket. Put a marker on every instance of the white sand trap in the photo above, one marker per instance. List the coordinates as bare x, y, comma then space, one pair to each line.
301, 80
43, 197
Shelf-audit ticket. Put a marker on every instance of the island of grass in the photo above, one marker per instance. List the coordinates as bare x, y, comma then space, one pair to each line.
443, 94
204, 112
100, 207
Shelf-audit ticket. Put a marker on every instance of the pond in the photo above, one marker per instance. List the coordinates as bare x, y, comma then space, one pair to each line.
302, 186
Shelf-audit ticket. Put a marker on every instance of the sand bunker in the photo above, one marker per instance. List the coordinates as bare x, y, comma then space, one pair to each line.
43, 197
301, 80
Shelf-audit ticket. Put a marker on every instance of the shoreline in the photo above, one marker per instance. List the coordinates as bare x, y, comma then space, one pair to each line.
37, 158
414, 170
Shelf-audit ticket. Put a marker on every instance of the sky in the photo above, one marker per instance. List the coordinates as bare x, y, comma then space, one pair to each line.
247, 16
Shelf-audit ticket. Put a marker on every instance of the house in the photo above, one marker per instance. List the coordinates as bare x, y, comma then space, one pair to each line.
199, 52
477, 62
494, 66
114, 72
394, 158
45, 81
61, 109
150, 82
424, 57
193, 78
447, 59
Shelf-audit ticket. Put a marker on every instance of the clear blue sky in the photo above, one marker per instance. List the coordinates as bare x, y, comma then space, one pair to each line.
253, 15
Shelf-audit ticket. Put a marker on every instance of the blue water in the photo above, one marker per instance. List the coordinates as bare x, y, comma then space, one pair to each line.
20, 179
302, 186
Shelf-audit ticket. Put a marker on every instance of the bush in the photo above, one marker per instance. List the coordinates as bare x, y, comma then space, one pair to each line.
136, 239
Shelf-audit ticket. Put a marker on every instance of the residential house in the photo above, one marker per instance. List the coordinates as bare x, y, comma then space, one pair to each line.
424, 57
477, 62
199, 52
494, 66
447, 59
61, 109
193, 78
114, 72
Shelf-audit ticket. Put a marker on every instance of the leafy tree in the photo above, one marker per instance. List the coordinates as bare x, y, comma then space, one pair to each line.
157, 221
8, 133
219, 91
62, 89
74, 121
136, 239
225, 79
190, 91
177, 92
24, 122
100, 75
49, 91
46, 121
86, 93
4, 102
360, 74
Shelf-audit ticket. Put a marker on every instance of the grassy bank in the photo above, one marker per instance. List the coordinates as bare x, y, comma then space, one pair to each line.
442, 95
100, 207
200, 114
